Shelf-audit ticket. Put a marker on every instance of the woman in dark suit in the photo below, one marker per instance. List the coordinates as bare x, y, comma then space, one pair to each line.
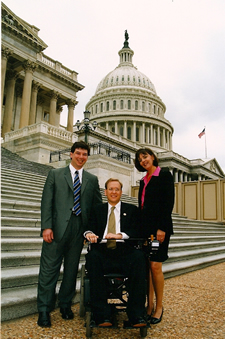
156, 200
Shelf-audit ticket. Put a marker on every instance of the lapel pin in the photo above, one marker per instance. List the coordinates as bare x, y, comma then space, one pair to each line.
124, 214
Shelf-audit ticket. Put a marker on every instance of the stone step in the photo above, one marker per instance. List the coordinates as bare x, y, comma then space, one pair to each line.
20, 213
187, 239
174, 247
12, 277
24, 222
172, 269
21, 189
21, 244
20, 302
16, 259
195, 253
26, 258
20, 232
22, 197
21, 177
20, 204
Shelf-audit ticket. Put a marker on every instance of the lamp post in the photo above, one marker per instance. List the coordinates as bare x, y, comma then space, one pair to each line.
86, 125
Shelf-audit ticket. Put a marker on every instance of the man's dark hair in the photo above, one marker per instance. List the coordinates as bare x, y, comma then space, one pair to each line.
80, 144
144, 151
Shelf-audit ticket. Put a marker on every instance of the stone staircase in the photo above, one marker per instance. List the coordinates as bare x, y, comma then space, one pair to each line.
194, 245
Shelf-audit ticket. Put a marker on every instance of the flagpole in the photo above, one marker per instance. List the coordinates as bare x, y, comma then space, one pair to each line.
205, 145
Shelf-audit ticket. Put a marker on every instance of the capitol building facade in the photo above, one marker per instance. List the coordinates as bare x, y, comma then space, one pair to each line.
126, 108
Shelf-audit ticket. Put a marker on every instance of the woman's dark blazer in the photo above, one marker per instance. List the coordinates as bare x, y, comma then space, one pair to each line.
158, 204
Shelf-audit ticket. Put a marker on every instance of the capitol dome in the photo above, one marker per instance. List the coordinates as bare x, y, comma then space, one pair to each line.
126, 103
125, 75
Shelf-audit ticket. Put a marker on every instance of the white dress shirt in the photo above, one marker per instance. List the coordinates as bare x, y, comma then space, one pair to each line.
73, 170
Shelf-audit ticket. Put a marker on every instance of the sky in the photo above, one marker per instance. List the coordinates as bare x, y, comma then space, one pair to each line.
178, 44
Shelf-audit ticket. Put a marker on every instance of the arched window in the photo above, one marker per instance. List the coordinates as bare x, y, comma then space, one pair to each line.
143, 106
114, 105
102, 107
121, 104
129, 104
107, 106
96, 109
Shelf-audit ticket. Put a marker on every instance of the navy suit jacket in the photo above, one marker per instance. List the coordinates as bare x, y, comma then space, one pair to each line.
128, 220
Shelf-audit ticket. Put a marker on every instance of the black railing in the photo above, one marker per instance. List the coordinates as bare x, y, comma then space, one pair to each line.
95, 148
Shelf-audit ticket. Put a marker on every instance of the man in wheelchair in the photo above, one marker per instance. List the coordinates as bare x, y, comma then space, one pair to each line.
111, 225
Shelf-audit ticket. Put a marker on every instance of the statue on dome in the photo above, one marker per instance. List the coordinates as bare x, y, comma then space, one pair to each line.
126, 43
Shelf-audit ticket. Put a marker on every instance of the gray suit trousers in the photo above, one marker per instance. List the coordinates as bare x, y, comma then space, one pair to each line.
67, 250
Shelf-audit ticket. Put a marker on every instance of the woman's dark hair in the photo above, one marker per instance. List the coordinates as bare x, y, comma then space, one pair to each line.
80, 144
144, 151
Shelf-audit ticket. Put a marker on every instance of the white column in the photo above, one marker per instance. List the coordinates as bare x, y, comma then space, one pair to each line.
164, 138
52, 110
147, 133
33, 104
71, 105
29, 68
158, 135
143, 133
116, 127
125, 129
10, 90
152, 135
5, 55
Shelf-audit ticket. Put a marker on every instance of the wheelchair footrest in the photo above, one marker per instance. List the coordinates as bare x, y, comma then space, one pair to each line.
127, 325
93, 324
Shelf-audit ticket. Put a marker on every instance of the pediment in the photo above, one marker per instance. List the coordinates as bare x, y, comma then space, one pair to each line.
20, 28
213, 166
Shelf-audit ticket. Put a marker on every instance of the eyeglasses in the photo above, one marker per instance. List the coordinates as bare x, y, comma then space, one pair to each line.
113, 189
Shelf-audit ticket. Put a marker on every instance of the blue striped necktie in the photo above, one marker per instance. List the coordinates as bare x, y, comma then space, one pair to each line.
76, 194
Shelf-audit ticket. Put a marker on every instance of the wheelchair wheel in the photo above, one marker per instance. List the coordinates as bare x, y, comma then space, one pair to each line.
88, 325
82, 308
143, 332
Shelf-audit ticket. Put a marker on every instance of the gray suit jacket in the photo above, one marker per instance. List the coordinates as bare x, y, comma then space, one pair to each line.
57, 200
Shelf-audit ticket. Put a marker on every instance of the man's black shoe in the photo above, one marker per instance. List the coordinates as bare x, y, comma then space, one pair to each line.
44, 319
66, 313
138, 322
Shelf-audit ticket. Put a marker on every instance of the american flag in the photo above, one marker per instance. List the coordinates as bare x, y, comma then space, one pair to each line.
202, 133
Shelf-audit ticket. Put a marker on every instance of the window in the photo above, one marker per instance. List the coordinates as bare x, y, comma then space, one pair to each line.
129, 133
137, 133
128, 78
121, 104
114, 105
129, 104
136, 105
143, 106
122, 77
96, 109
46, 116
121, 130
107, 106
102, 107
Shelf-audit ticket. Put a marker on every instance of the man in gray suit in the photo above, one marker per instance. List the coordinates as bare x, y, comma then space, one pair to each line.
62, 228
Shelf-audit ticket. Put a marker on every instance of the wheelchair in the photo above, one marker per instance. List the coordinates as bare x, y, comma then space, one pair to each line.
117, 294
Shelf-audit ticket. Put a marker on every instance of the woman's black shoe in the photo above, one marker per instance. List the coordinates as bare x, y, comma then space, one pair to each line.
156, 320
